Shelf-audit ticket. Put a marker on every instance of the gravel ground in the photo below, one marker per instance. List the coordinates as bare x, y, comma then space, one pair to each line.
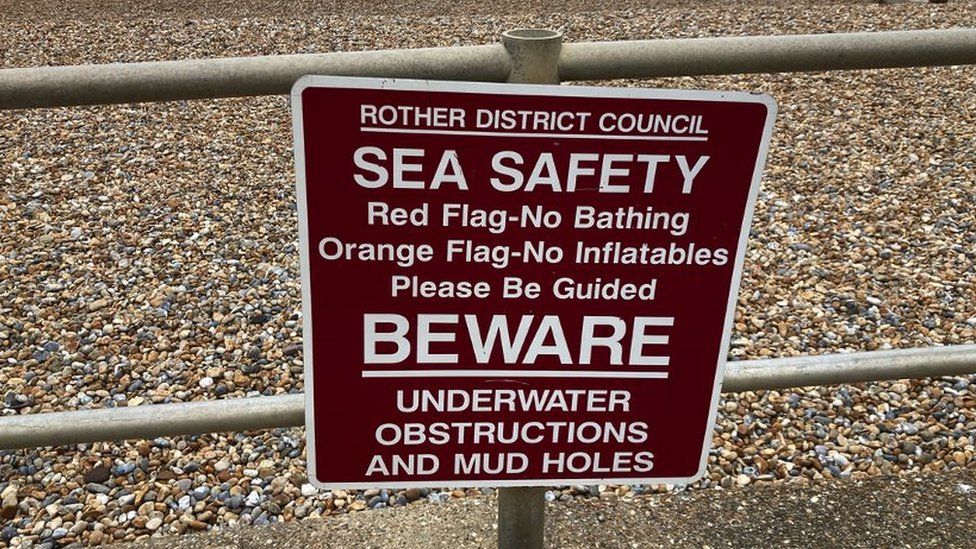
97, 10
913, 510
148, 255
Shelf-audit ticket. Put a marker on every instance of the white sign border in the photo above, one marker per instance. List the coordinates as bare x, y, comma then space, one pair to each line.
346, 82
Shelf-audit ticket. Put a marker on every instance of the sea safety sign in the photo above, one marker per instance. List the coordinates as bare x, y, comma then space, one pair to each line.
514, 285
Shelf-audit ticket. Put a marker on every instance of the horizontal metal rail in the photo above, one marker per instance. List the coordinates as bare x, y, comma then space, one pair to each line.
767, 54
246, 76
151, 421
836, 368
245, 414
237, 76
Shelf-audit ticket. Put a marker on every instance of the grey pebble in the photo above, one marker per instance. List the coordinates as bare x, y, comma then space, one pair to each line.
125, 468
97, 488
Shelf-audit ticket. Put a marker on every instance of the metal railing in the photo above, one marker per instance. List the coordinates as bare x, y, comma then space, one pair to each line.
523, 56
248, 414
246, 76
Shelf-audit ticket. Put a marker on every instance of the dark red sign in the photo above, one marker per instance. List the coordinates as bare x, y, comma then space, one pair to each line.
518, 285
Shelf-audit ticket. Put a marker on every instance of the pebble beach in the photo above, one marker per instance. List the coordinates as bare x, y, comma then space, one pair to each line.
149, 255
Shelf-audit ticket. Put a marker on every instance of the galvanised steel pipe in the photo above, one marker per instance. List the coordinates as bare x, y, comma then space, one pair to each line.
244, 414
534, 55
833, 369
521, 517
244, 76
237, 76
766, 54
151, 421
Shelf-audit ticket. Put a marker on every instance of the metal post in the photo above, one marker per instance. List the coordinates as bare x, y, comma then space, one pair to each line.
534, 54
521, 517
